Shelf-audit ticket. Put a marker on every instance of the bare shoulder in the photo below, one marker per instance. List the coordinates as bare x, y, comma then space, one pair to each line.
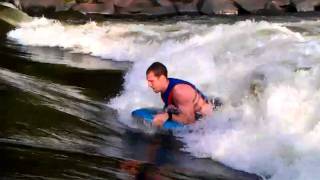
183, 92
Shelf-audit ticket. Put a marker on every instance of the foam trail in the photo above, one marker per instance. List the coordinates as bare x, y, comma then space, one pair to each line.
266, 73
270, 96
117, 41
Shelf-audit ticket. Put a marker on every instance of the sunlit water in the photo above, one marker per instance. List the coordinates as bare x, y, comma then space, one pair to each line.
266, 73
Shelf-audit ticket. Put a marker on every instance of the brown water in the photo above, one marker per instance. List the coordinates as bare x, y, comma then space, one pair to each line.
55, 125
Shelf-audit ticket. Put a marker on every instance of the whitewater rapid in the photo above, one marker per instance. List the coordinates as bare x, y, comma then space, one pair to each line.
266, 73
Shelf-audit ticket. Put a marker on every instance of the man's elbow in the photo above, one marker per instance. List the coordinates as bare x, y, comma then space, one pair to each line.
189, 120
184, 118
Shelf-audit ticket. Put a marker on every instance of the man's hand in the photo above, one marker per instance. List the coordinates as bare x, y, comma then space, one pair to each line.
160, 119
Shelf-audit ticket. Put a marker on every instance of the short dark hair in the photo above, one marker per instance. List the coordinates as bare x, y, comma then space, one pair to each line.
158, 69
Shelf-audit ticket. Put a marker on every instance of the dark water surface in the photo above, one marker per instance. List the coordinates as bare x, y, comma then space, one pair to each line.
55, 125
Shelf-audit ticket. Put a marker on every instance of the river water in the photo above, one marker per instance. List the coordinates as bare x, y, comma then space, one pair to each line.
67, 90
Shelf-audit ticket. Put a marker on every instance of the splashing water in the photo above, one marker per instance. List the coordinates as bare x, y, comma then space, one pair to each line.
266, 73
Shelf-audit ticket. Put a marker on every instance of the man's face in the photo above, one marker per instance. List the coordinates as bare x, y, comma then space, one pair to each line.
156, 83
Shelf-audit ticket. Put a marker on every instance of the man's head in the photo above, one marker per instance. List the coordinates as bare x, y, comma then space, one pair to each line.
157, 77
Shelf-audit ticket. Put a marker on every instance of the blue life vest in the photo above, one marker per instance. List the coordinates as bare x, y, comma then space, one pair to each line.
167, 95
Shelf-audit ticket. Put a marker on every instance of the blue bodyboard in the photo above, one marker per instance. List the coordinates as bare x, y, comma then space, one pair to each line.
147, 114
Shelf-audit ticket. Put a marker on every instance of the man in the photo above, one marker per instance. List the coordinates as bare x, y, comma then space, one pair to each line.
184, 103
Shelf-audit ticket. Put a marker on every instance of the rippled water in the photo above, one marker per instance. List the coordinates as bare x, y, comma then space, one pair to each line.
56, 122
67, 91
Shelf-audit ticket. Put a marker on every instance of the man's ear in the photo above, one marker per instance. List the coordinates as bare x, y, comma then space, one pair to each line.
162, 77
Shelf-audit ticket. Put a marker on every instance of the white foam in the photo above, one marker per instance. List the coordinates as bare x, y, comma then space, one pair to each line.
266, 74
117, 41
266, 132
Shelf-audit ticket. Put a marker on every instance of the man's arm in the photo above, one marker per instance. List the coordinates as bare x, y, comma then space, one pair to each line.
183, 96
